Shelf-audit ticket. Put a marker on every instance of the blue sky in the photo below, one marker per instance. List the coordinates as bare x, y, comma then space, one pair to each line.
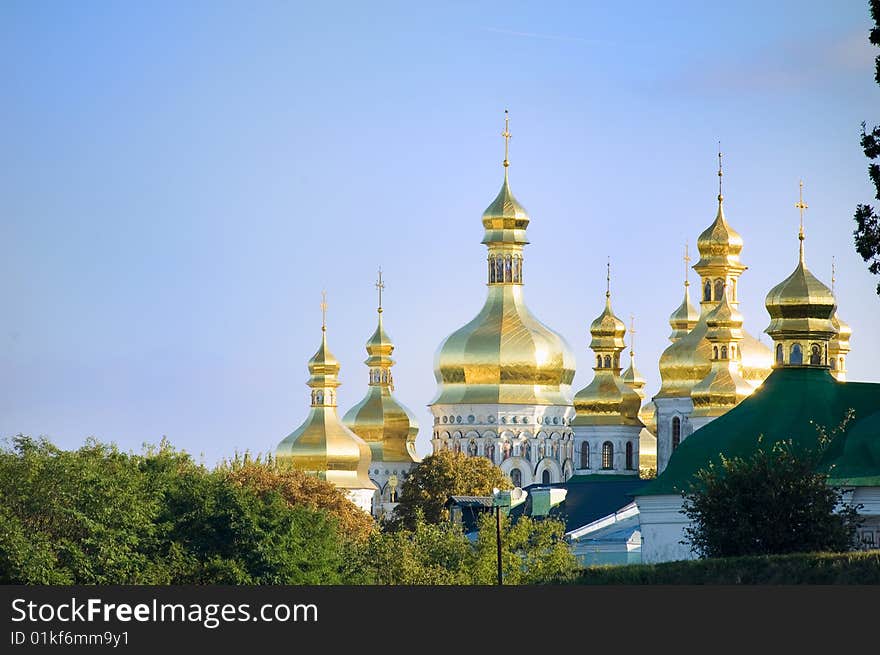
181, 180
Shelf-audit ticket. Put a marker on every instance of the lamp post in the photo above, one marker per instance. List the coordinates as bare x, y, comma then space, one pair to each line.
508, 499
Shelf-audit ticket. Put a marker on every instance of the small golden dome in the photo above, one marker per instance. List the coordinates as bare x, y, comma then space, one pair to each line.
719, 244
322, 445
607, 400
505, 220
684, 318
801, 306
388, 427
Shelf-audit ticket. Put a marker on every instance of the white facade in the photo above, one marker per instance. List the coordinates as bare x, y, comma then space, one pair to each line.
597, 437
531, 443
363, 498
668, 411
384, 499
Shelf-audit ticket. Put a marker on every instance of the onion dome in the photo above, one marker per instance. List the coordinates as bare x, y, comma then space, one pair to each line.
723, 387
388, 427
322, 445
504, 355
684, 318
801, 308
688, 360
607, 400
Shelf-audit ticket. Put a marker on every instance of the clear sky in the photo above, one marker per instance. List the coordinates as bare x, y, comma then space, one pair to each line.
180, 181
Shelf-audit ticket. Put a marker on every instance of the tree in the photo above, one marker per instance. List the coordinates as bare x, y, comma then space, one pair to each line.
773, 502
299, 489
867, 232
441, 475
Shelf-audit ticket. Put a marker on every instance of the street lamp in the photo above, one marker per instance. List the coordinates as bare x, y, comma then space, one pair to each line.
508, 499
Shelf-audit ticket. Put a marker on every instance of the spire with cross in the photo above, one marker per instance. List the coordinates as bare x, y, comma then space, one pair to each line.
506, 135
380, 286
833, 274
632, 336
608, 279
323, 311
720, 174
801, 205
687, 261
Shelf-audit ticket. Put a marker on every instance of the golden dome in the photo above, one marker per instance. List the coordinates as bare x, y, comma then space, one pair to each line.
388, 427
322, 445
687, 360
723, 387
801, 307
607, 400
684, 318
504, 355
719, 244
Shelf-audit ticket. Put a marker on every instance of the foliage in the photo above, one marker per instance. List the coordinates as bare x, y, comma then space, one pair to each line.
772, 502
533, 552
800, 568
441, 475
100, 516
299, 489
867, 232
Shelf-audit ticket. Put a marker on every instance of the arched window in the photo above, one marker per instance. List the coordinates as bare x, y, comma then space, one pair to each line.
491, 270
732, 292
499, 270
505, 450
598, 361
607, 361
797, 355
714, 352
815, 355
507, 272
629, 456
617, 360
833, 364
585, 455
516, 477
472, 448
545, 477
517, 269
607, 455
778, 353
676, 432
719, 289
707, 291
723, 352
527, 451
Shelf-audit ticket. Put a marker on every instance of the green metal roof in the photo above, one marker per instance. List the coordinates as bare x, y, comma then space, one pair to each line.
790, 404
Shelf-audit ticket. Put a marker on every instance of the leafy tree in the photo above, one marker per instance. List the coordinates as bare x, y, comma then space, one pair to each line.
773, 502
867, 232
441, 475
532, 552
300, 490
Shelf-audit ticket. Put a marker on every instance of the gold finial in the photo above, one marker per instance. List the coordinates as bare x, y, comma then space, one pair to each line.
323, 311
687, 260
833, 274
380, 286
632, 336
608, 279
720, 173
506, 135
801, 205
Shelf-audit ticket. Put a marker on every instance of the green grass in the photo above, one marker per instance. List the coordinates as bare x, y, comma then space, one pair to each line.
802, 568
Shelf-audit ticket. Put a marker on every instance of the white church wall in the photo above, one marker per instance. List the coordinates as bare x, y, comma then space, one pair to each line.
662, 525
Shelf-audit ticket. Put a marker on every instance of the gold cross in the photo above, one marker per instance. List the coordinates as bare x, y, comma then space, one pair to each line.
833, 274
608, 280
632, 335
324, 310
800, 204
687, 260
720, 172
380, 285
506, 134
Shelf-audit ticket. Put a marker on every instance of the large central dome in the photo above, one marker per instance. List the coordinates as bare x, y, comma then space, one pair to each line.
504, 355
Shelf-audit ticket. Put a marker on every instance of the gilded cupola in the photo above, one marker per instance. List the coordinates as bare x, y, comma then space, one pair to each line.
801, 310
723, 387
633, 379
838, 347
688, 359
388, 427
685, 317
504, 355
322, 445
607, 400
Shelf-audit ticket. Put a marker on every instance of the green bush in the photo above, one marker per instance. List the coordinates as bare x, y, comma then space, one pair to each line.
800, 568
